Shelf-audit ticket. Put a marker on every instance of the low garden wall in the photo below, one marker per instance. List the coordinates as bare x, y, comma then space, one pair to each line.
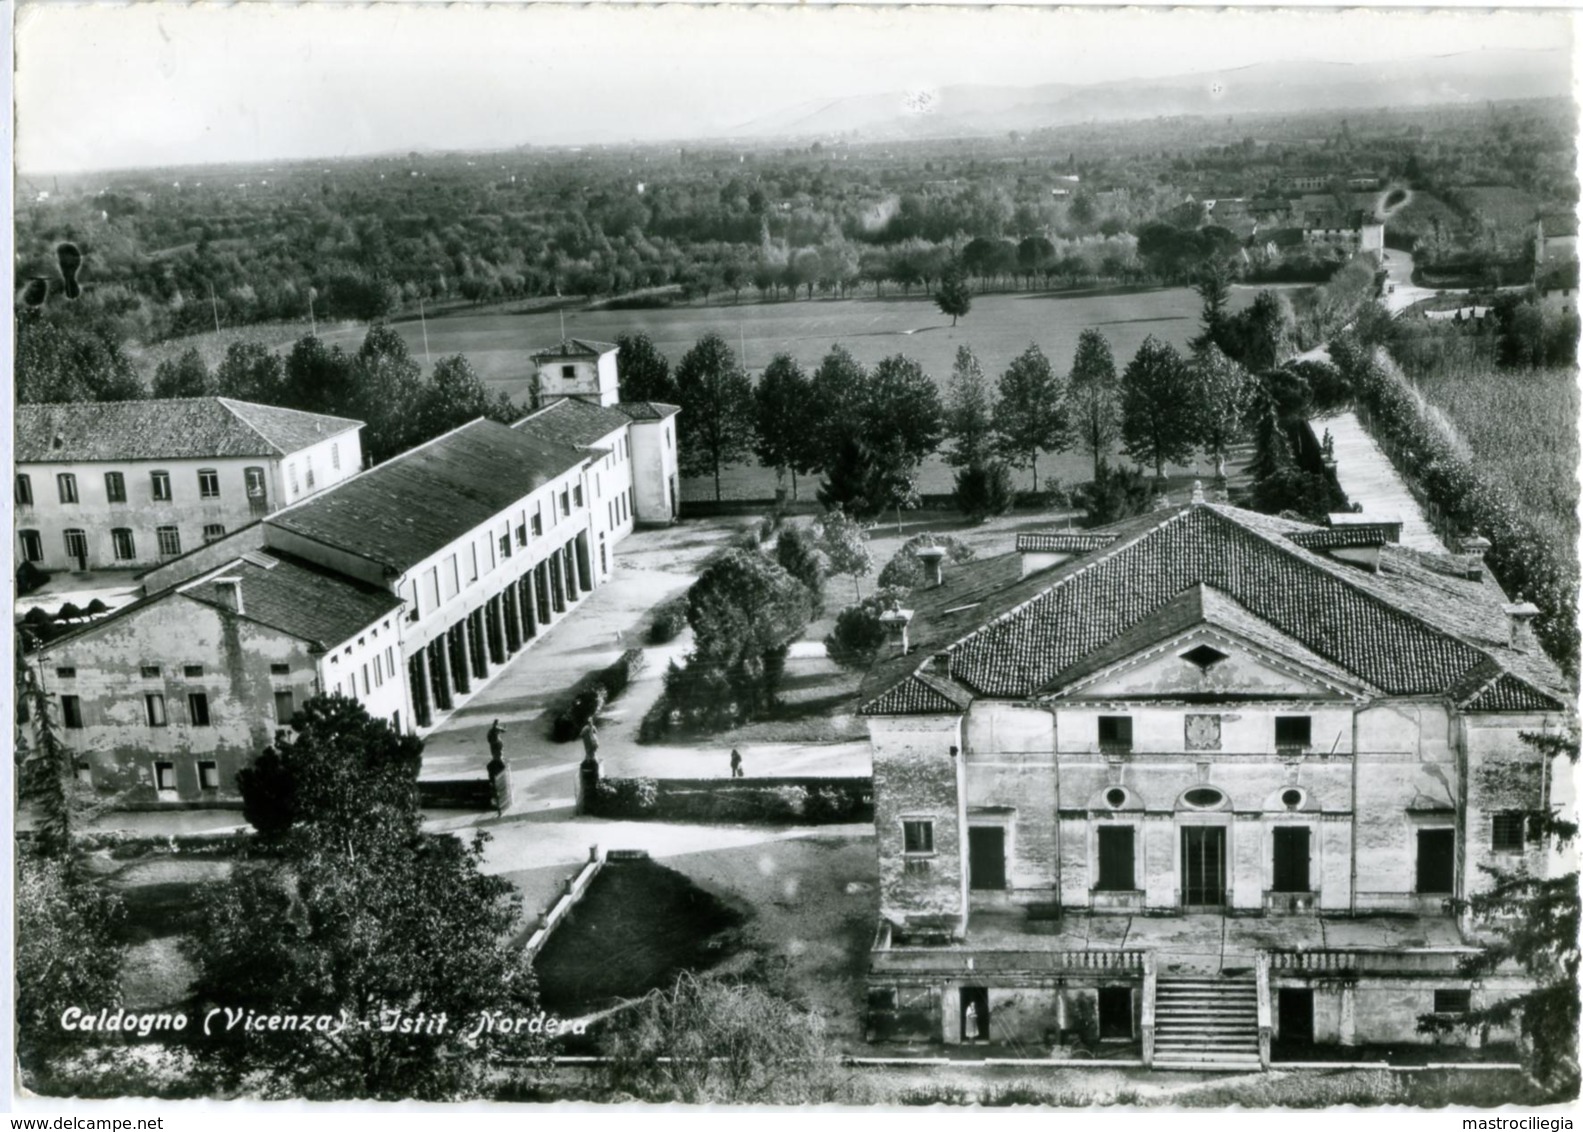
571, 892
455, 794
767, 801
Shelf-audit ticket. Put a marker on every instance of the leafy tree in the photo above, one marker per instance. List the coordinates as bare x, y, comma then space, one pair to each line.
858, 634
836, 389
387, 384
645, 373
1031, 411
882, 430
954, 297
905, 569
250, 371
338, 769
844, 543
1222, 392
67, 954
1260, 337
797, 552
1157, 425
1093, 396
186, 376
454, 395
60, 363
705, 1040
984, 490
357, 914
968, 420
1536, 918
318, 378
717, 409
784, 418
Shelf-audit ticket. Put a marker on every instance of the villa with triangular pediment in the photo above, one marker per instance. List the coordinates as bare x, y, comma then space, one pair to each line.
1201, 781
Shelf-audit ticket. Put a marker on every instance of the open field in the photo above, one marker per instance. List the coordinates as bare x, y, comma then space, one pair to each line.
999, 328
1522, 429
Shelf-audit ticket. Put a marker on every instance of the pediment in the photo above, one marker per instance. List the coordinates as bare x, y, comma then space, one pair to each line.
1212, 662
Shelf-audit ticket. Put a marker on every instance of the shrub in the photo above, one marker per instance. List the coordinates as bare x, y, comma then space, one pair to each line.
669, 621
905, 569
1114, 494
590, 694
68, 612
798, 556
858, 635
749, 540
983, 490
625, 797
29, 578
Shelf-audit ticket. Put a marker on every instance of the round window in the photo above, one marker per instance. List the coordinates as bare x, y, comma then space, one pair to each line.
1116, 798
1291, 799
1203, 796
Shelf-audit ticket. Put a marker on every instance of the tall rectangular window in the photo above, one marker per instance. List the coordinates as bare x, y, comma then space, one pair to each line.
308, 472
472, 563
198, 709
538, 523
409, 594
291, 478
115, 487
77, 548
213, 532
285, 707
208, 775
566, 502
169, 541
32, 546
24, 491
154, 709
165, 776
451, 578
125, 547
577, 494
208, 483
522, 534
160, 482
257, 495
71, 712
335, 456
431, 587
505, 546
1116, 873
67, 483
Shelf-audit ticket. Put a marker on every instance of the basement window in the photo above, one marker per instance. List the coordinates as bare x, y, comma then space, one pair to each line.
208, 775
917, 836
1453, 1001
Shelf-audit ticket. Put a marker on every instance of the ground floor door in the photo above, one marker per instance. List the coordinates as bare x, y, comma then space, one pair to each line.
1291, 859
77, 550
1115, 1012
986, 857
1295, 1014
975, 1014
1204, 864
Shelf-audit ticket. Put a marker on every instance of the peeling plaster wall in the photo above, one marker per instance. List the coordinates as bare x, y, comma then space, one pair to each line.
916, 778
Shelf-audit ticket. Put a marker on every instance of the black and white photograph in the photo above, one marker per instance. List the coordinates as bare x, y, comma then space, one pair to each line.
592, 557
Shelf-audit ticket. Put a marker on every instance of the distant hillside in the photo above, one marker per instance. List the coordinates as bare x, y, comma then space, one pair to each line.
1265, 88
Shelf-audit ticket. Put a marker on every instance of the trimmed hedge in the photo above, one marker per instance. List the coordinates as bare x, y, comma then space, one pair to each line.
669, 621
591, 693
769, 801
1426, 454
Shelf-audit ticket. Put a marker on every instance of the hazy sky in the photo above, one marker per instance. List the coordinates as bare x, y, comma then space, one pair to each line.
157, 84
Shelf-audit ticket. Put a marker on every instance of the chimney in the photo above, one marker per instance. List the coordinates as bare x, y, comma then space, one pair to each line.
229, 591
1522, 614
932, 558
1474, 548
895, 622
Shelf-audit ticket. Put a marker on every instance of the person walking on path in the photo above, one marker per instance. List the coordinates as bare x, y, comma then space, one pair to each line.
736, 763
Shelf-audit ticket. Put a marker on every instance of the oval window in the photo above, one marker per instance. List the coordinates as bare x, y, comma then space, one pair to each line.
1291, 799
1203, 796
1116, 798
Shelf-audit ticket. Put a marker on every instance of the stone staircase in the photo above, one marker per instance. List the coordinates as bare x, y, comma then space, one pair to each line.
1207, 1024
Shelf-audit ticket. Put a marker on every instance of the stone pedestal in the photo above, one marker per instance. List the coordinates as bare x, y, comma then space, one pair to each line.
587, 782
500, 785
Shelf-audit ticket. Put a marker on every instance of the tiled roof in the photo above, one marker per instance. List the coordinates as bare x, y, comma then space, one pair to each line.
575, 348
648, 410
918, 694
412, 506
1334, 538
184, 428
1407, 630
1080, 542
573, 421
299, 598
1508, 693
